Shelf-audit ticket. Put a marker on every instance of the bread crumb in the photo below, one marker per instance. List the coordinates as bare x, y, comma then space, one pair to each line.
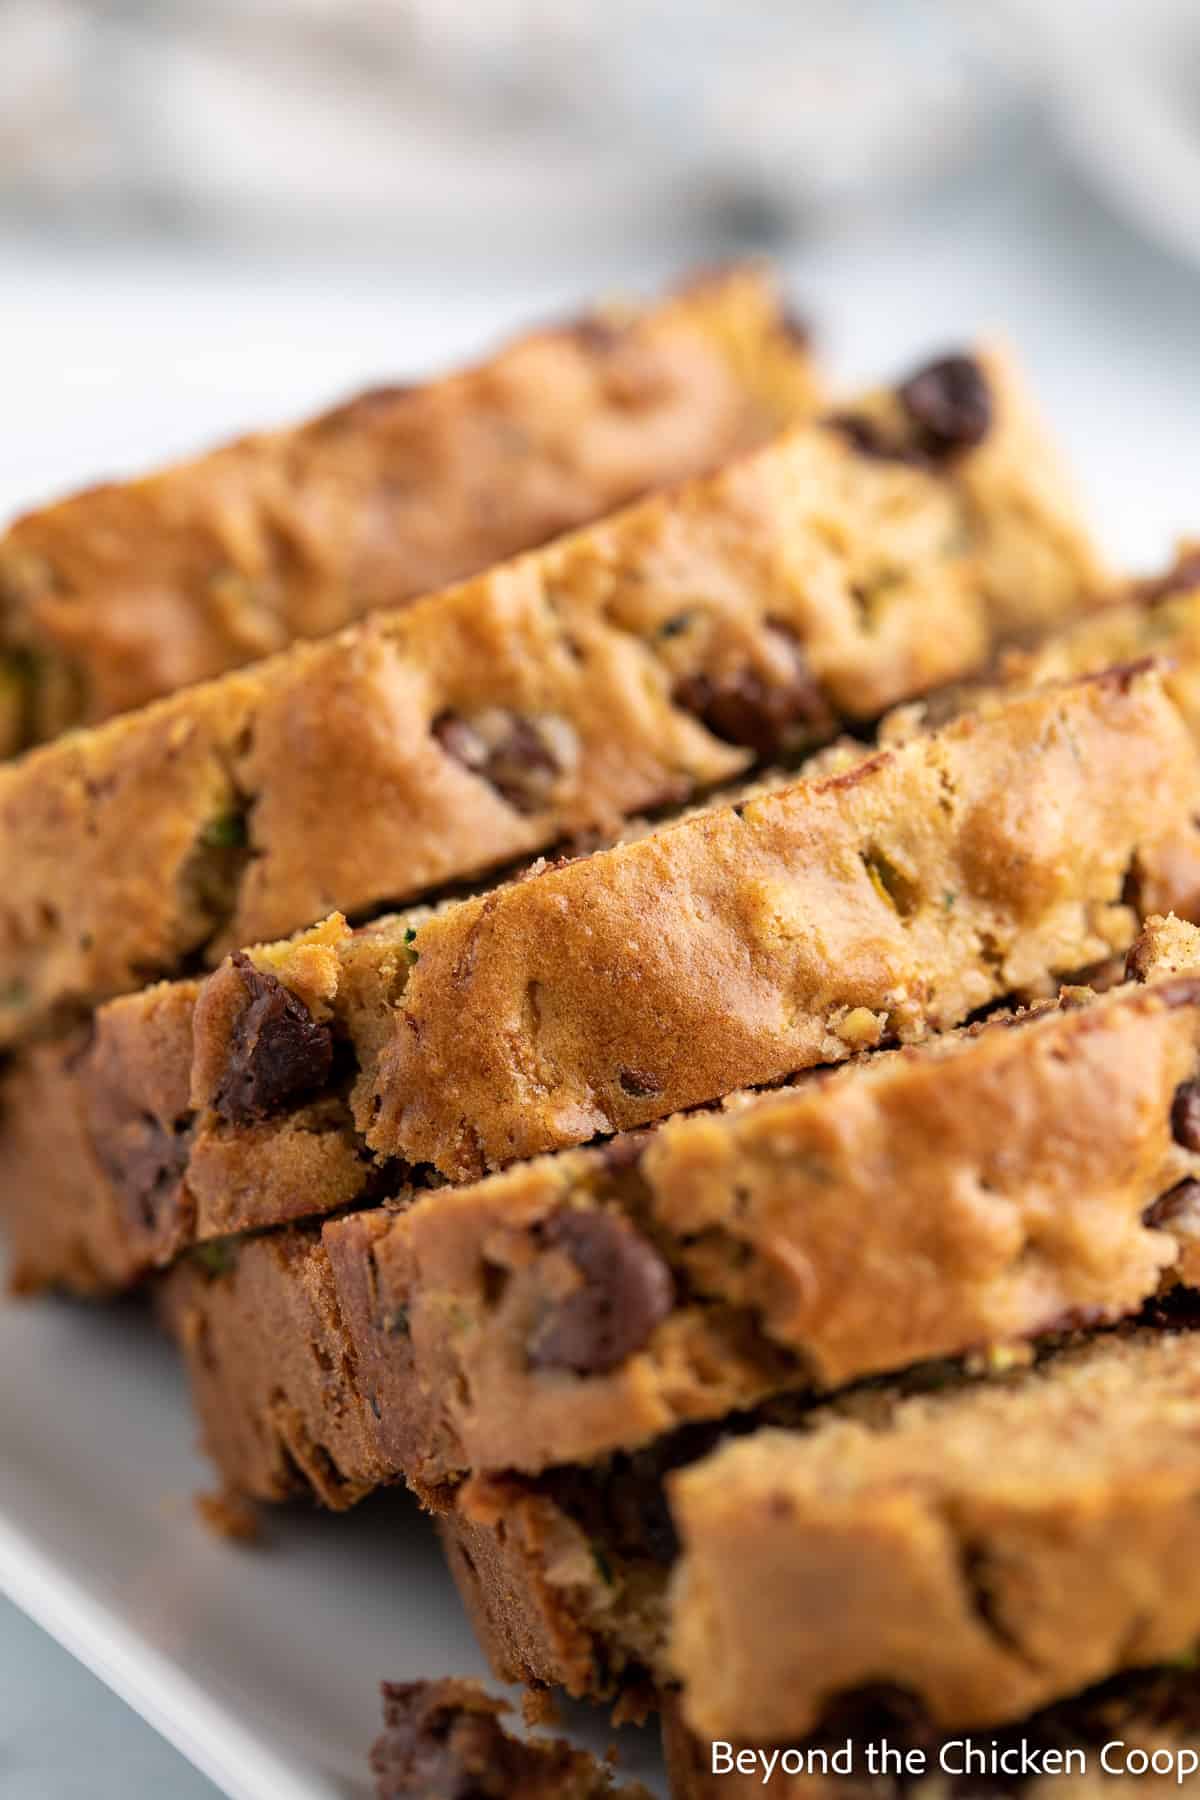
540, 1708
230, 1515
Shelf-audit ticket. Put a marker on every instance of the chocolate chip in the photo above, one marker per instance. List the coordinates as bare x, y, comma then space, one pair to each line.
507, 750
1177, 1204
147, 1161
625, 1292
950, 403
639, 1082
742, 707
1185, 1115
279, 1053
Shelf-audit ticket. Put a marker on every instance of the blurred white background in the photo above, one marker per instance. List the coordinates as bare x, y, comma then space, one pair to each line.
216, 214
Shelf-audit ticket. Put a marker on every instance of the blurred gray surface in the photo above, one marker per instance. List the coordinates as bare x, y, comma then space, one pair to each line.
64, 1736
262, 1663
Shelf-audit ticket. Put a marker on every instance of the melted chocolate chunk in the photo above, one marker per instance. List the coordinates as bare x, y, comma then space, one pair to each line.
279, 1054
625, 1292
768, 717
639, 1082
950, 404
1178, 1203
147, 1160
1185, 1115
504, 749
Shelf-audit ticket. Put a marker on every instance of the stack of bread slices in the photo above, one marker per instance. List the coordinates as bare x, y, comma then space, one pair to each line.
609, 939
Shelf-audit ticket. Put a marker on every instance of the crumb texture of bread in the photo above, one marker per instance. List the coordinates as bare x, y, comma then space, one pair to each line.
272, 1371
737, 618
230, 1515
444, 1740
132, 589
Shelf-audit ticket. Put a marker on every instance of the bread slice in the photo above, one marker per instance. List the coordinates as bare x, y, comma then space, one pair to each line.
731, 949
958, 1198
128, 591
741, 617
989, 1549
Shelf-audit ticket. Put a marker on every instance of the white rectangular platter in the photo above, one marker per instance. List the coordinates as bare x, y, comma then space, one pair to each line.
261, 1664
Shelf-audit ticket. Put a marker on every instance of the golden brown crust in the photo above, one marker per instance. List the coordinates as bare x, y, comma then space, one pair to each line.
965, 1195
128, 591
627, 666
727, 950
